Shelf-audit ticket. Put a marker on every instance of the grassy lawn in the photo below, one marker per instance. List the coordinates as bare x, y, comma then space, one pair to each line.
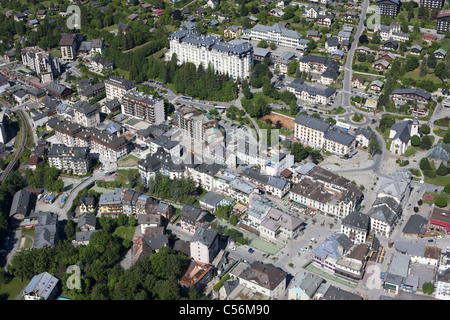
416, 77
435, 195
125, 232
439, 132
439, 180
445, 45
12, 289
130, 161
410, 151
123, 73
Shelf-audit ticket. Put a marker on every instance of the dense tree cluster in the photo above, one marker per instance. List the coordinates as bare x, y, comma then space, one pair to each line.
102, 277
178, 189
12, 184
44, 177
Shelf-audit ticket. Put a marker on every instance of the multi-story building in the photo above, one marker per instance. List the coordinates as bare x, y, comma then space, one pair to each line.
204, 245
384, 214
327, 192
442, 283
201, 135
160, 162
401, 96
69, 45
432, 4
311, 92
320, 133
85, 114
41, 62
263, 278
110, 204
277, 34
116, 87
143, 106
280, 225
330, 251
65, 158
388, 8
235, 60
356, 226
192, 217
317, 64
109, 147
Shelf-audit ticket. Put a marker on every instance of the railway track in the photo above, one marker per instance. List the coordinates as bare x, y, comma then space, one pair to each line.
11, 165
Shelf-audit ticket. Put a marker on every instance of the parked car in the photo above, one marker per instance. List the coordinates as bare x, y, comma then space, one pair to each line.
431, 240
251, 250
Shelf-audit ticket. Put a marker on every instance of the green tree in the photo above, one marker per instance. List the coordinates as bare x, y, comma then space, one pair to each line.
425, 164
447, 188
415, 140
232, 220
441, 201
262, 44
425, 128
428, 288
70, 229
374, 146
425, 143
442, 170
447, 136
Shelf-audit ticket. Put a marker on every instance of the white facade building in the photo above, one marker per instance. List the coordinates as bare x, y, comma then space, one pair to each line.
232, 59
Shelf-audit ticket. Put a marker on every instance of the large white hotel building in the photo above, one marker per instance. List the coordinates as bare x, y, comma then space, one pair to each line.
226, 58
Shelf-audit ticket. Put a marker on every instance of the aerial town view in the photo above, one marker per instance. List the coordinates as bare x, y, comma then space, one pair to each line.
225, 150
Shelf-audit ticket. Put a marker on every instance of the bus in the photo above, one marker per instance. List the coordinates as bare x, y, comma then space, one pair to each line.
186, 98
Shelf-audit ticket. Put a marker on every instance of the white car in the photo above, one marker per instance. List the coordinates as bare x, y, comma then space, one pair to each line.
232, 248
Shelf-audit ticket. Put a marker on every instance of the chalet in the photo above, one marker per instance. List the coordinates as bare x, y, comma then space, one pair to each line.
357, 82
440, 53
313, 34
133, 17
414, 94
388, 56
429, 38
41, 14
381, 65
390, 45
232, 32
415, 49
376, 86
325, 20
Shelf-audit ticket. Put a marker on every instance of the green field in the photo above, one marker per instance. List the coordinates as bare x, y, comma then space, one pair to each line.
11, 290
445, 45
129, 161
125, 232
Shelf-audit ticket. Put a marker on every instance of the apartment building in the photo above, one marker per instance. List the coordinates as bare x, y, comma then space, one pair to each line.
41, 62
201, 134
69, 45
320, 133
330, 251
317, 64
85, 114
235, 60
272, 185
277, 34
160, 162
322, 190
443, 21
204, 245
312, 93
356, 226
109, 147
280, 225
400, 96
142, 106
75, 159
384, 214
432, 4
116, 87
110, 204
388, 8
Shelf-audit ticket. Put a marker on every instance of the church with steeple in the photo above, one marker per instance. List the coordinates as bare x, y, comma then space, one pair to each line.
401, 134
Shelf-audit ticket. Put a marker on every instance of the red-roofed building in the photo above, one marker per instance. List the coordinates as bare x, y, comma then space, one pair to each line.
33, 161
441, 218
429, 38
159, 12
